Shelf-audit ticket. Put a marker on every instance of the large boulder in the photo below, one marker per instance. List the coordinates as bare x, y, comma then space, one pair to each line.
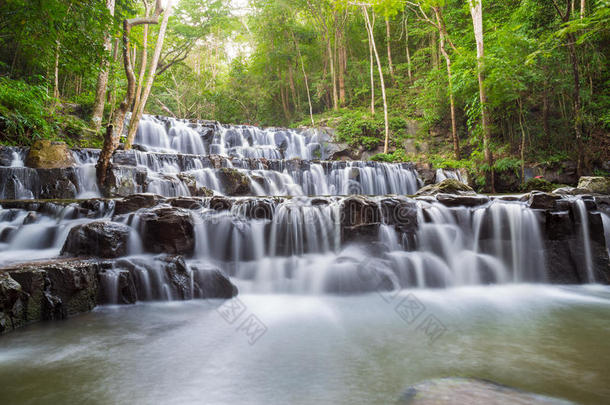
234, 182
447, 186
57, 183
595, 184
45, 154
452, 200
211, 282
99, 239
11, 303
540, 200
450, 391
194, 188
168, 230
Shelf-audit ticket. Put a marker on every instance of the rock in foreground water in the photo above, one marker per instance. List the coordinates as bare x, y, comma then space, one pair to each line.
460, 391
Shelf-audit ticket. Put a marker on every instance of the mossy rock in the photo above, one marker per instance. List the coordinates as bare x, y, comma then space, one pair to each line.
45, 154
595, 184
447, 186
234, 182
538, 184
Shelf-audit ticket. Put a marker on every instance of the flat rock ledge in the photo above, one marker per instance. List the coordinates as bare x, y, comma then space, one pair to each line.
460, 391
61, 288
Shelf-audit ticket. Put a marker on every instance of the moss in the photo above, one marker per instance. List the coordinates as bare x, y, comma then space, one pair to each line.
539, 184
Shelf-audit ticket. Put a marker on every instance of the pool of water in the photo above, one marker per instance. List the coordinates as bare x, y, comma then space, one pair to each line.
316, 349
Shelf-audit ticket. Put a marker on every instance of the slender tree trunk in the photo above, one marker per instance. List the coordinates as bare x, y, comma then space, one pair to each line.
388, 38
112, 92
476, 10
102, 77
56, 72
407, 47
332, 74
582, 8
296, 44
143, 65
576, 100
545, 109
135, 119
341, 52
114, 130
372, 67
293, 91
522, 141
454, 134
385, 104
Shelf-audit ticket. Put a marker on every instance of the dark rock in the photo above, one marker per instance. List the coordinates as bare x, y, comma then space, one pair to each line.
220, 203
451, 391
125, 158
234, 182
57, 183
125, 293
540, 200
447, 186
194, 188
360, 233
136, 202
99, 239
256, 208
559, 225
188, 203
45, 154
30, 218
359, 210
461, 200
122, 181
168, 230
6, 233
11, 303
400, 212
210, 282
178, 275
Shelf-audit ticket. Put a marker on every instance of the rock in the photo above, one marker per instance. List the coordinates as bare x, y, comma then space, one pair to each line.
11, 303
365, 233
188, 203
100, 239
125, 158
125, 293
194, 188
45, 154
340, 151
256, 208
234, 182
447, 186
57, 183
457, 390
595, 184
220, 203
135, 202
56, 289
570, 191
450, 200
400, 212
122, 181
30, 218
357, 210
540, 200
210, 282
178, 275
168, 230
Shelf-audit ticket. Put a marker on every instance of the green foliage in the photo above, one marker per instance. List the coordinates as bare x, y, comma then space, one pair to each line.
394, 157
23, 112
539, 184
507, 164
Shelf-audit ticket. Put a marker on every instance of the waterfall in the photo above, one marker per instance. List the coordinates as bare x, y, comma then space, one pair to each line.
583, 216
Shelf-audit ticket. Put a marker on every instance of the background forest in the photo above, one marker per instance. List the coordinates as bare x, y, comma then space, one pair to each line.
457, 83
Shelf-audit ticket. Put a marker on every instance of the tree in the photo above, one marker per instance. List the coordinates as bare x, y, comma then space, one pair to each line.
102, 78
476, 10
114, 130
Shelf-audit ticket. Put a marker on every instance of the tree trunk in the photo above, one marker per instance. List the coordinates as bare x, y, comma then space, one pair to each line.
441, 28
407, 47
342, 55
112, 92
143, 65
114, 130
135, 119
293, 91
56, 72
102, 77
476, 10
576, 99
372, 67
388, 39
582, 8
385, 104
522, 141
332, 74
296, 44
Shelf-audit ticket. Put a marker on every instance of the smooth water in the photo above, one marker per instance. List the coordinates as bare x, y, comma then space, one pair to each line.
318, 349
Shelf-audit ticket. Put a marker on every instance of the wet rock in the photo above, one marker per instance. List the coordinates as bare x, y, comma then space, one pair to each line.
45, 154
188, 203
122, 181
559, 225
125, 292
99, 239
125, 158
570, 191
451, 391
194, 188
234, 182
57, 183
402, 213
168, 230
358, 210
540, 200
30, 218
135, 202
211, 282
7, 233
341, 151
220, 203
11, 303
595, 184
256, 208
178, 275
447, 186
461, 200
360, 233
